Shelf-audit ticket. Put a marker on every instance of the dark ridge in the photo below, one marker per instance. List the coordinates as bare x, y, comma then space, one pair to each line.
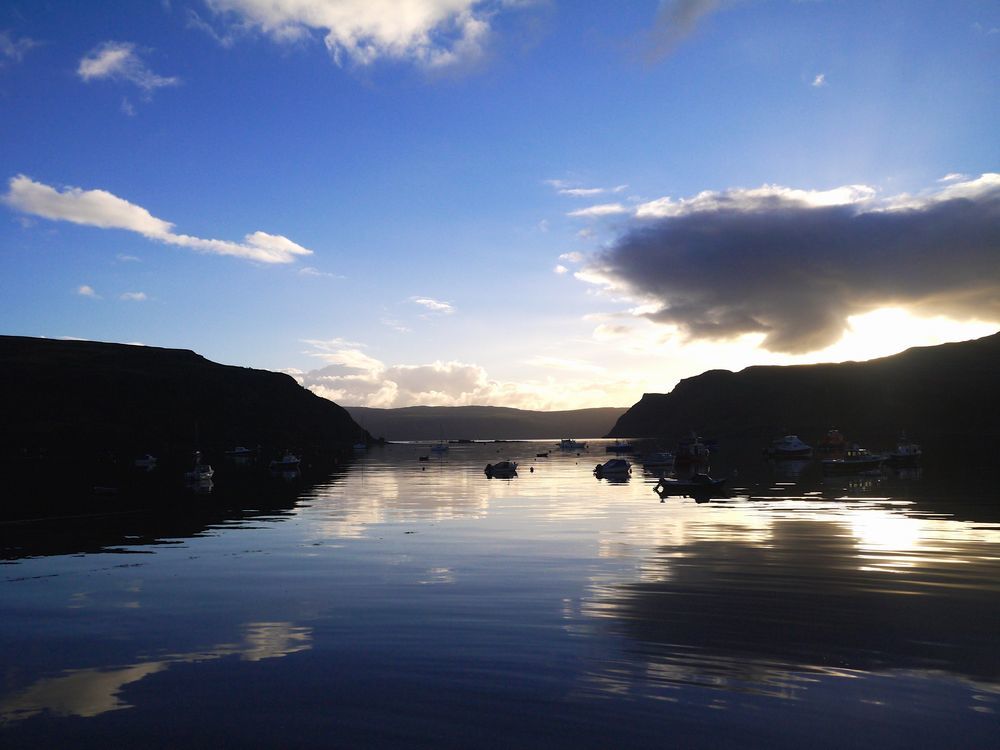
935, 393
73, 399
484, 422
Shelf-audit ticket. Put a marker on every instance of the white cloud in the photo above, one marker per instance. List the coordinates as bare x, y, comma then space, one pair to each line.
99, 208
954, 177
819, 80
118, 61
433, 305
12, 49
572, 257
133, 296
431, 33
562, 187
560, 269
581, 192
123, 258
753, 199
85, 290
310, 271
601, 209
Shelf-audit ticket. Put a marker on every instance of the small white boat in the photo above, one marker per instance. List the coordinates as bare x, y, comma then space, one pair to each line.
147, 462
614, 467
789, 446
568, 444
241, 451
288, 462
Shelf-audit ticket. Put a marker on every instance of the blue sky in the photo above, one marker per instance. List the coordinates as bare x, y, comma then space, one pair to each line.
466, 201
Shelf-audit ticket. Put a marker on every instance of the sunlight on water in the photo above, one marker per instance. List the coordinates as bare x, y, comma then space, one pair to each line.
422, 597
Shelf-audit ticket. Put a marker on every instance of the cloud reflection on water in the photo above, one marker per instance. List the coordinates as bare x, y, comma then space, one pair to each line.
777, 606
91, 692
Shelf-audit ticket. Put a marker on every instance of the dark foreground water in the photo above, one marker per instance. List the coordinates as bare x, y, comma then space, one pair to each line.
408, 604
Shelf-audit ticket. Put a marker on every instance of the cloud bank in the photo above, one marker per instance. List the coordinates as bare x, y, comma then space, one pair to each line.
353, 378
431, 33
794, 265
99, 208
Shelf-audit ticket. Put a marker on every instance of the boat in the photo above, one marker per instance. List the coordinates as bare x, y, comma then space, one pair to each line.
854, 461
832, 442
199, 472
288, 462
613, 467
789, 446
691, 451
501, 469
697, 484
542, 455
359, 447
439, 448
241, 452
147, 462
906, 452
658, 460
568, 444
619, 446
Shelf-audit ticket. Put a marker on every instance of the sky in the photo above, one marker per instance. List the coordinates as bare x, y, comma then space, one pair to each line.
533, 203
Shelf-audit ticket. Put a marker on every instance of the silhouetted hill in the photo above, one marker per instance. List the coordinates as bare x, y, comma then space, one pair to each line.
83, 397
934, 393
483, 422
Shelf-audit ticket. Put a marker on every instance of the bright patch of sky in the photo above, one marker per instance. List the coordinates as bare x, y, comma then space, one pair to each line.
535, 203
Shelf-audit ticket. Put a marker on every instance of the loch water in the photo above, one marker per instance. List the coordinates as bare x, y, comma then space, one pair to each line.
405, 603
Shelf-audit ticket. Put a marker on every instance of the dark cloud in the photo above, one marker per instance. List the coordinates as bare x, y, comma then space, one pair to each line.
773, 261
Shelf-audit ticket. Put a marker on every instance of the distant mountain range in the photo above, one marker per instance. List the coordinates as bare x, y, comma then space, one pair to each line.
80, 398
483, 422
949, 392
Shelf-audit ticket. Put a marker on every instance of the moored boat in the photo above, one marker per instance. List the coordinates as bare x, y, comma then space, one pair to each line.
199, 472
789, 446
697, 484
619, 446
906, 453
691, 451
613, 467
663, 460
501, 469
288, 462
854, 460
147, 462
568, 444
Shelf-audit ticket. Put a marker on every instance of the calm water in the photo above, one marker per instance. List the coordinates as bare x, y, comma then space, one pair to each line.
422, 604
